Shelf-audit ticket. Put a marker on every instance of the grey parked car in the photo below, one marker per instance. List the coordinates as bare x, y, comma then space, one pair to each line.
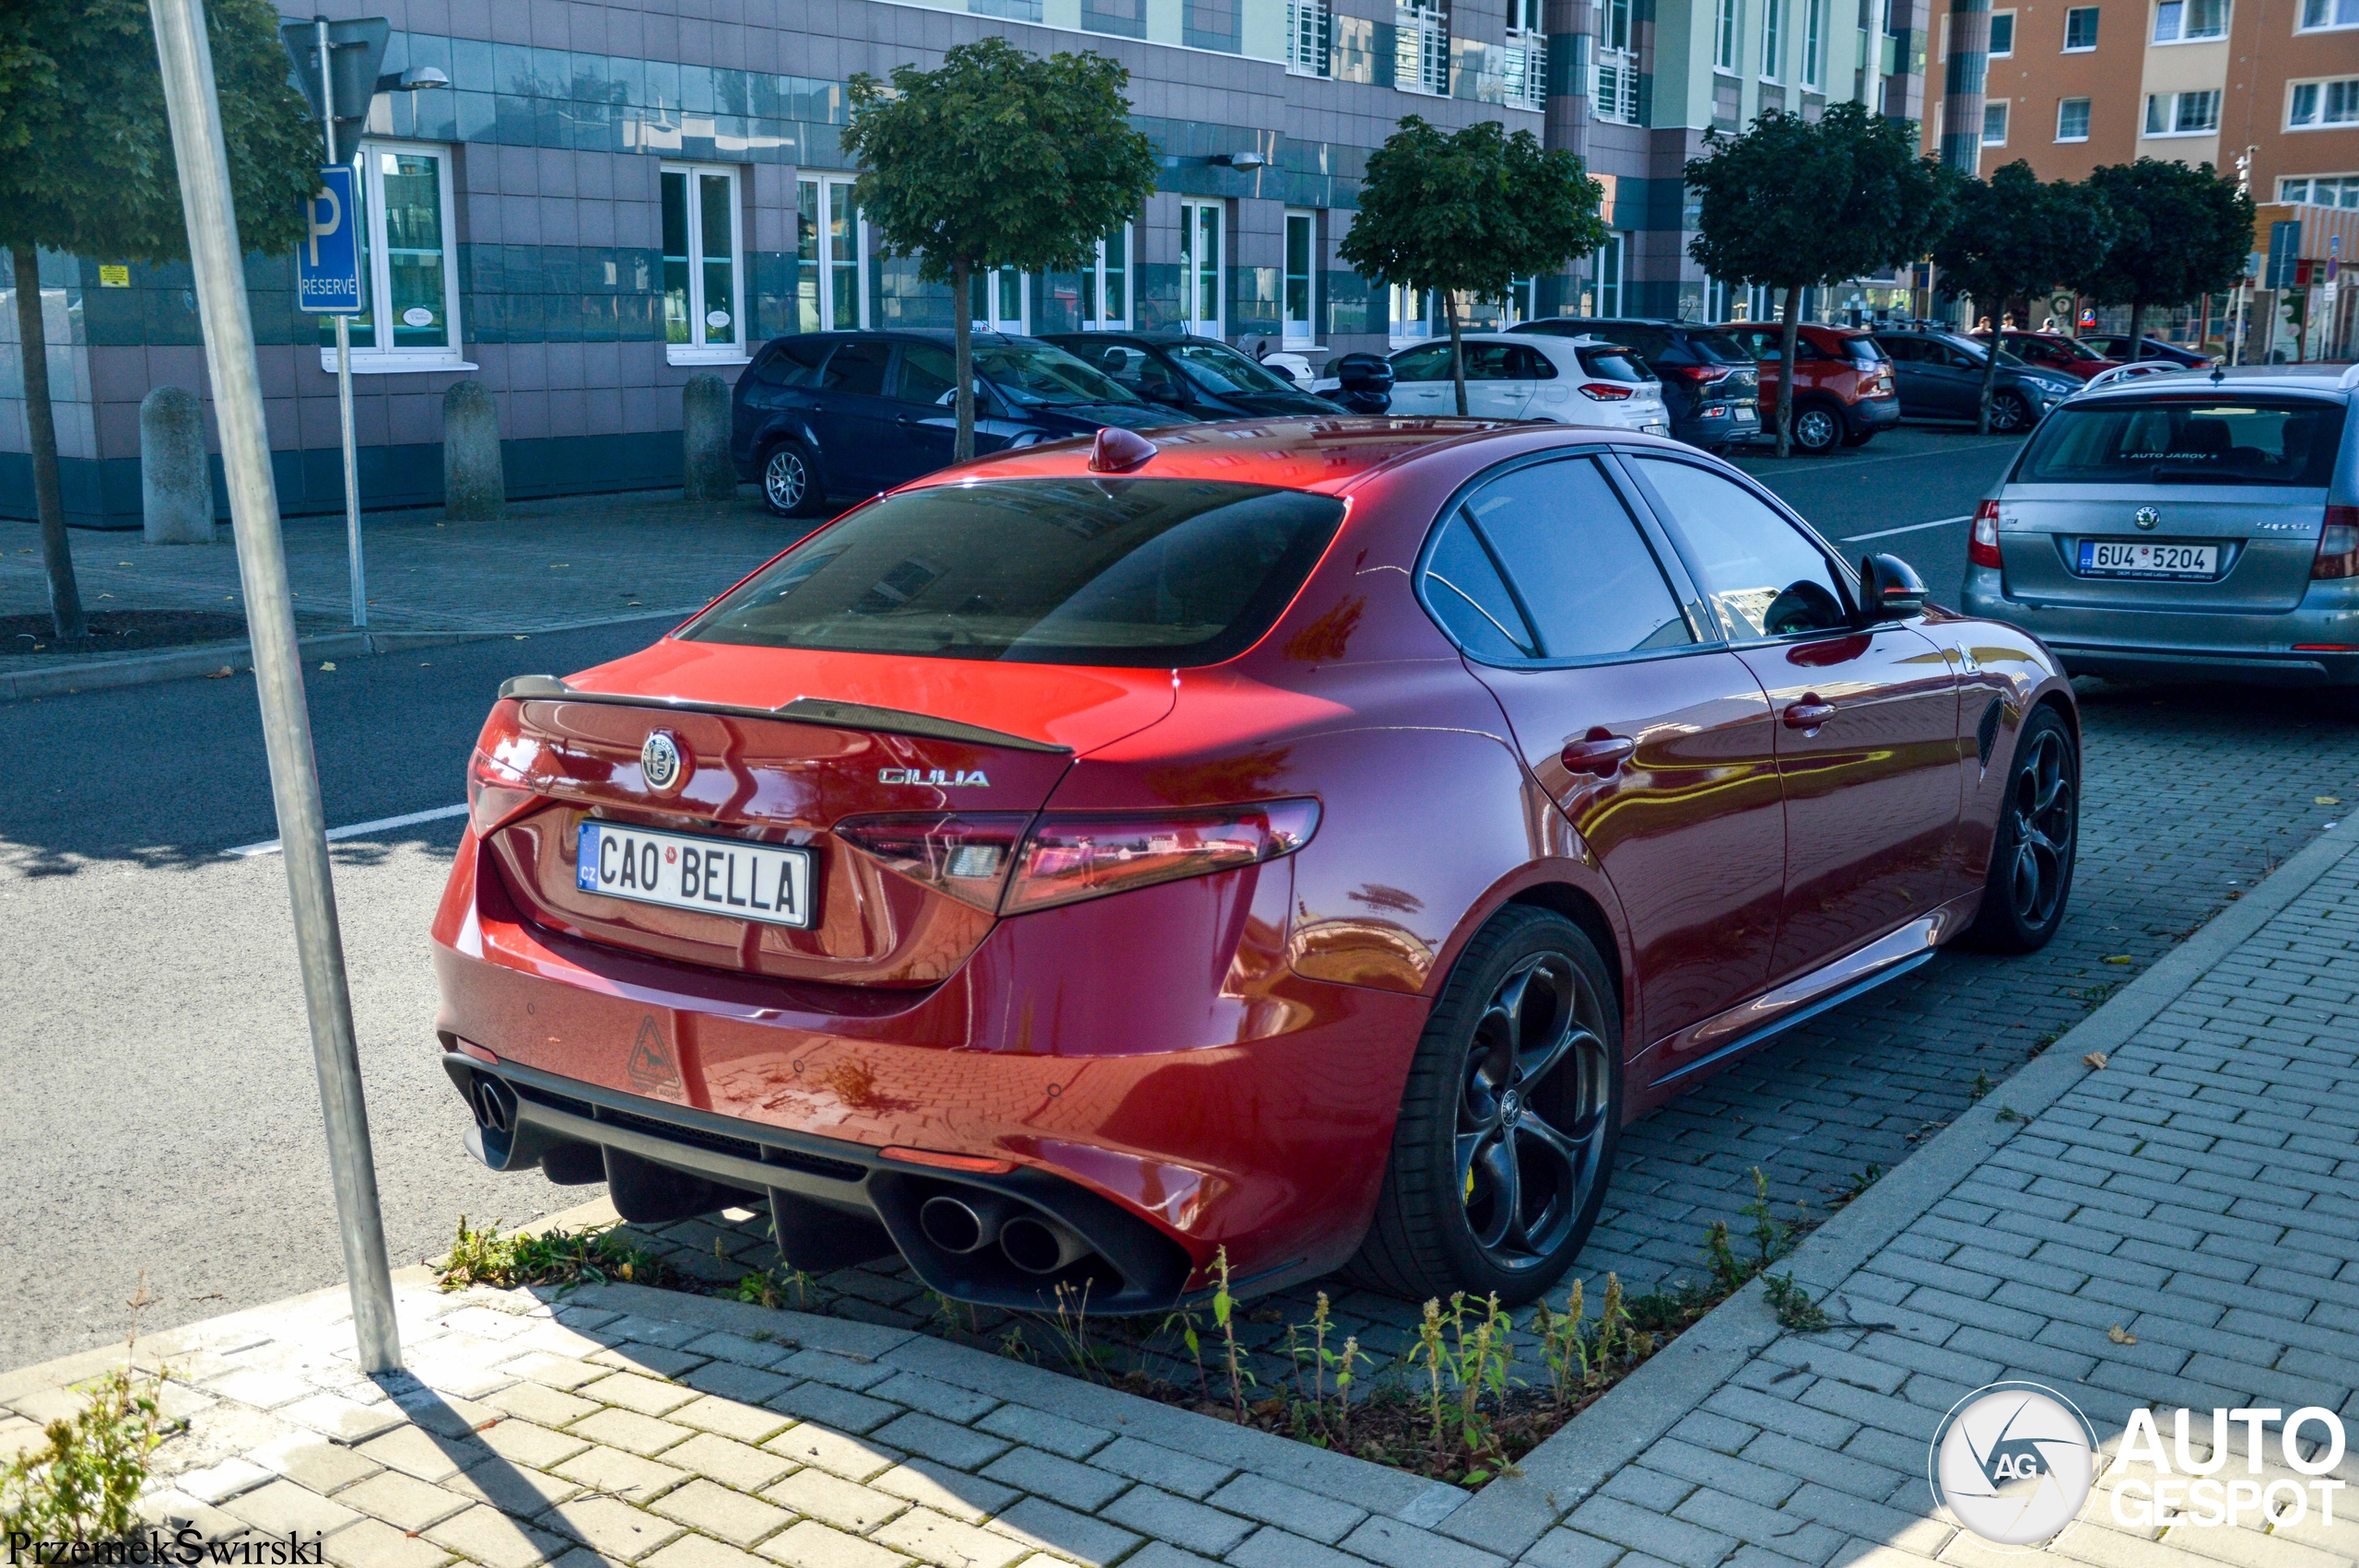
2184, 526
1939, 376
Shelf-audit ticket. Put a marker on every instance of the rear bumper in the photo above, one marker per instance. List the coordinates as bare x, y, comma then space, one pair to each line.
2259, 650
1871, 414
1717, 424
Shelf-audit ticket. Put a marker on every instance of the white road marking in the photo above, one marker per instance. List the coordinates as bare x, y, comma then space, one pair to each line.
1912, 527
357, 829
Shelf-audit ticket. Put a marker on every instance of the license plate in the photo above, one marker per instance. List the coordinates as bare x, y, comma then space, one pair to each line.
717, 876
2104, 558
1656, 430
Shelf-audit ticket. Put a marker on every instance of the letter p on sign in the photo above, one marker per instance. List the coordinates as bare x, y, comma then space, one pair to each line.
327, 264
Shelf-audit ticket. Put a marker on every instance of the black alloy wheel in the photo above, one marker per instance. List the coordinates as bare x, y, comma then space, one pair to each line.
1817, 430
2031, 854
2008, 412
789, 486
1508, 1126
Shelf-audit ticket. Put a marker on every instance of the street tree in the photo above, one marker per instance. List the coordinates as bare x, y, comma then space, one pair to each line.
2014, 234
2178, 233
86, 167
996, 158
1794, 204
1468, 214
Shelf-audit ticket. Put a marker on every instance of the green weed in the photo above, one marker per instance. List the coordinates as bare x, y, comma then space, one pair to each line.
555, 1258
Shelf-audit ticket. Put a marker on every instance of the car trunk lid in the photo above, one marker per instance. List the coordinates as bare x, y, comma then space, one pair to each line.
2263, 541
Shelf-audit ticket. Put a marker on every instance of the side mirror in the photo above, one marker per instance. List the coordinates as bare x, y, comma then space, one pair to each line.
1890, 589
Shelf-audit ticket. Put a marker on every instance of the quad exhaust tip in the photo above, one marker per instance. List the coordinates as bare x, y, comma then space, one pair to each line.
965, 1226
493, 1102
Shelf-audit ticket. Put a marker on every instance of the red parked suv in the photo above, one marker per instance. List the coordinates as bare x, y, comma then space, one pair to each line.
1845, 381
1310, 838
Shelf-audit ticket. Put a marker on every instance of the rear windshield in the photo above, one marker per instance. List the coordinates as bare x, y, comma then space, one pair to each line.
2194, 440
1718, 348
1613, 365
1139, 572
1033, 374
1222, 371
1865, 350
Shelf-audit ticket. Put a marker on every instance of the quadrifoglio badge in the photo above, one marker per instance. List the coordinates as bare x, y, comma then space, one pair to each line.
2015, 1463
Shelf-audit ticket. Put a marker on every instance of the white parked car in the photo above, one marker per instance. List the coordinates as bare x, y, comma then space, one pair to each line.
1565, 380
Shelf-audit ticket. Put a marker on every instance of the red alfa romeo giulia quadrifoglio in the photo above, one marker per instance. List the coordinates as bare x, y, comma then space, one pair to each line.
1311, 838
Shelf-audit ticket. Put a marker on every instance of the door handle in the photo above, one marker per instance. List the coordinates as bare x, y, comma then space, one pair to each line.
1597, 753
904, 420
1809, 713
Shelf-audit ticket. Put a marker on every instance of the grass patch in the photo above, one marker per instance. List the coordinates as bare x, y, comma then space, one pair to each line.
597, 1256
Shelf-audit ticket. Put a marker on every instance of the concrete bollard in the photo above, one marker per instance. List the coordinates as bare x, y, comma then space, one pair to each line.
475, 488
707, 476
175, 480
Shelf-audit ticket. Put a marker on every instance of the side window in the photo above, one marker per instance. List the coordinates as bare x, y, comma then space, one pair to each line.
1766, 579
1578, 562
928, 373
1652, 343
795, 363
1468, 598
1430, 363
1487, 361
1899, 350
1531, 364
858, 368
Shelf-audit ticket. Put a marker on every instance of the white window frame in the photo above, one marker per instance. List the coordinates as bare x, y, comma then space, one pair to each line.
1607, 266
1310, 38
2337, 21
1094, 278
2070, 47
1725, 43
2176, 10
1191, 269
1525, 58
370, 183
832, 189
1813, 43
2319, 89
707, 352
1302, 332
993, 317
1403, 328
2003, 110
2085, 107
2172, 118
2008, 53
1773, 38
1421, 39
2344, 185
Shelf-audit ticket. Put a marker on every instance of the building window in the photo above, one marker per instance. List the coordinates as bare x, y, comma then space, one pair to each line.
1123, 18
1719, 300
1524, 61
1773, 38
2318, 104
997, 300
2319, 15
1410, 312
1724, 35
2320, 190
2073, 120
2190, 21
1814, 42
1521, 300
1421, 47
2192, 113
1616, 93
702, 318
830, 239
1104, 304
1200, 256
1302, 251
2002, 34
1605, 275
1210, 24
1310, 32
2080, 29
406, 263
1994, 123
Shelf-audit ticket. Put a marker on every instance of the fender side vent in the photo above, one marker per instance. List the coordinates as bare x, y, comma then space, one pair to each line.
1986, 735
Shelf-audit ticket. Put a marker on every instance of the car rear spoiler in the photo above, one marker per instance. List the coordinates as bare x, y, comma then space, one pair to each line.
802, 711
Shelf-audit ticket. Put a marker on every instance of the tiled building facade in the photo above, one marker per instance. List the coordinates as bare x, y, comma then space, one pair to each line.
611, 198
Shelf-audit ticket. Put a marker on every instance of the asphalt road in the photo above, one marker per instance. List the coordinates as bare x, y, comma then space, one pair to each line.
159, 1116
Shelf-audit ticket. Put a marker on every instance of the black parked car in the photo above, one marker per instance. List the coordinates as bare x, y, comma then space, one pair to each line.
2121, 346
1711, 384
1200, 377
852, 412
1939, 376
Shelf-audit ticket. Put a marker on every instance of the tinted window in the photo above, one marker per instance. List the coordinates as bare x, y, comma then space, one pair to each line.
1713, 347
1430, 363
1220, 370
1531, 364
929, 374
792, 364
1863, 351
1766, 578
2186, 441
1138, 572
858, 368
1488, 361
1652, 343
1471, 600
1587, 579
1035, 374
1906, 350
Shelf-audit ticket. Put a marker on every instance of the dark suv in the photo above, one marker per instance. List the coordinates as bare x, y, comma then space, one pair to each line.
852, 412
1711, 385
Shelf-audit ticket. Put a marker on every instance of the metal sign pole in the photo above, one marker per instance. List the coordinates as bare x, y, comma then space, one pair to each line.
344, 365
196, 114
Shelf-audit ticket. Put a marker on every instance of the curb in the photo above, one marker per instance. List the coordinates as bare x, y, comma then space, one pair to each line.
1513, 1512
206, 659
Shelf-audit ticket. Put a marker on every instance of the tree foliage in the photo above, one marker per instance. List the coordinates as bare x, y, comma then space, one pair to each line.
2178, 233
1794, 204
86, 167
2015, 235
996, 158
1468, 214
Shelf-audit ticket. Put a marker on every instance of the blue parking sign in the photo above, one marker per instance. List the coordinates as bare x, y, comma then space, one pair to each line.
327, 259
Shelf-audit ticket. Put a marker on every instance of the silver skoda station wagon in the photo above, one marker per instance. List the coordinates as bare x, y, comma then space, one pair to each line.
2184, 526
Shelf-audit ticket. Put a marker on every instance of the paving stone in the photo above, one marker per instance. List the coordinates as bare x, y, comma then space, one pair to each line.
1569, 1548
1397, 1545
413, 1452
1046, 1475
745, 1384
1163, 1555
1301, 1513
555, 1371
843, 1372
226, 1479
1689, 1545
1164, 1468
946, 1491
654, 1360
854, 1458
629, 1430
932, 1537
839, 1502
1271, 1547
839, 1408
811, 1544
1161, 1516
281, 1507
374, 1544
938, 1439
525, 1493
738, 1465
400, 1500
621, 1474
611, 1526
648, 1395
718, 1511
730, 1418
493, 1539
1039, 1429
1074, 1538
347, 1420
526, 1443
539, 1403
696, 1551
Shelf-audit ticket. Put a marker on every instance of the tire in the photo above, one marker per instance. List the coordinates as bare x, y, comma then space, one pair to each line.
2009, 412
1554, 1107
1818, 429
791, 482
1859, 438
2030, 881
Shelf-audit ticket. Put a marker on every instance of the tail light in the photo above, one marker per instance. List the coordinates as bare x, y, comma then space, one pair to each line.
1606, 391
1982, 549
1697, 375
498, 790
2338, 545
989, 860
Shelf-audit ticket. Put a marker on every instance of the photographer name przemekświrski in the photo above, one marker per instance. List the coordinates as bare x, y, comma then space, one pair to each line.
183, 1549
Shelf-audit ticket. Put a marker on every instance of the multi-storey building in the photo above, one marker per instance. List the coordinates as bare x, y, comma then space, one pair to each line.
611, 197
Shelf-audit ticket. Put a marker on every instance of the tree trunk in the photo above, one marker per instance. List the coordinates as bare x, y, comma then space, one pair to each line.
2137, 338
962, 356
1457, 352
1989, 382
41, 428
1787, 337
